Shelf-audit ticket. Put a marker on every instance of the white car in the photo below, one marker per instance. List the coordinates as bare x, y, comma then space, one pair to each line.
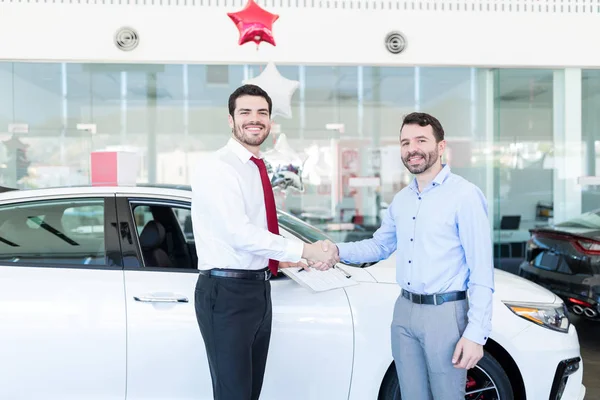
97, 302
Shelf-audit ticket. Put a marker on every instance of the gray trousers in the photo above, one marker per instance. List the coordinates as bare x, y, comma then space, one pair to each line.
423, 340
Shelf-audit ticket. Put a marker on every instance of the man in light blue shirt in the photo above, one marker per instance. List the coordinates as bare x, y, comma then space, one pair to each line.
440, 227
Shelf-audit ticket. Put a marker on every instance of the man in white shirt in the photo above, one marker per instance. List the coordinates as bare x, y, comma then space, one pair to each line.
239, 249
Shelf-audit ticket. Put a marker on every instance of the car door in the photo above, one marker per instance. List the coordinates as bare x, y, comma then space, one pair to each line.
312, 342
61, 300
165, 352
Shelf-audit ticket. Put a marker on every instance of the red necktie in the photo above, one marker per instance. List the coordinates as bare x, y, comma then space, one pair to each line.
269, 206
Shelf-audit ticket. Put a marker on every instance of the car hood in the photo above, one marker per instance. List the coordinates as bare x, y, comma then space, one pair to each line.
508, 287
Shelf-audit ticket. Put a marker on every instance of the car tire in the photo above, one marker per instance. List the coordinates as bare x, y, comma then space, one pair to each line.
487, 366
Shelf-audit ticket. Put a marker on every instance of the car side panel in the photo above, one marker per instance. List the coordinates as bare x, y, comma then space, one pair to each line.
63, 334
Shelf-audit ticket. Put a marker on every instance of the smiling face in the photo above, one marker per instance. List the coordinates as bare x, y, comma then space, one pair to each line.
251, 122
419, 148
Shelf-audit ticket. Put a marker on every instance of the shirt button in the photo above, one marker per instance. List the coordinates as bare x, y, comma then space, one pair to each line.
409, 283
409, 261
411, 239
414, 217
419, 198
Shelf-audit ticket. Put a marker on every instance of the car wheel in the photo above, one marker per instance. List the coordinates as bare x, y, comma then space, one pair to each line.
486, 381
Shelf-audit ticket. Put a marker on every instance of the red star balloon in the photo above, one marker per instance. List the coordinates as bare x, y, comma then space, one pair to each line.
254, 23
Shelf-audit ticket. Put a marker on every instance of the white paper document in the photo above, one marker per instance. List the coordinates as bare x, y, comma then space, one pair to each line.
320, 281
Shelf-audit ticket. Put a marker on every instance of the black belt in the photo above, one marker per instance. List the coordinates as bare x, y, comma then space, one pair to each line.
257, 275
435, 299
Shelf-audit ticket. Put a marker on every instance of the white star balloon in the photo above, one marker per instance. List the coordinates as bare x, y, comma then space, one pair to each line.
279, 88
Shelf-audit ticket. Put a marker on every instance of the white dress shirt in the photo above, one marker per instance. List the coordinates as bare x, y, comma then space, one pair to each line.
228, 214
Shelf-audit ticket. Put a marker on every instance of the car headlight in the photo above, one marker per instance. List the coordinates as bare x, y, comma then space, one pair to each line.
551, 316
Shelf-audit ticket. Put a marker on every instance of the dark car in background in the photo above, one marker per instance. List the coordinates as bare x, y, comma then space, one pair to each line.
565, 258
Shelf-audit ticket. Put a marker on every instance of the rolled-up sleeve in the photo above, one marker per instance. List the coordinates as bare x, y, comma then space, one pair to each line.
475, 237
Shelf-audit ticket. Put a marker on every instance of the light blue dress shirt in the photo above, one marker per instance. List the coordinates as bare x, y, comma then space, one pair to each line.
444, 243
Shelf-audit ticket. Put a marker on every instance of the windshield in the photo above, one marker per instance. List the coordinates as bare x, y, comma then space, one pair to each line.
301, 229
590, 220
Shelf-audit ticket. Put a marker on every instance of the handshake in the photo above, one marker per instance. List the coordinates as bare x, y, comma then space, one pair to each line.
320, 255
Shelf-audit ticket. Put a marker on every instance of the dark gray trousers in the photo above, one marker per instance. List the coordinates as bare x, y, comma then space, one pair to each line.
235, 317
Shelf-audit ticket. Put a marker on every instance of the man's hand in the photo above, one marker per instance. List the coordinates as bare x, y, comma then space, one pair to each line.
330, 248
321, 255
327, 245
467, 354
299, 264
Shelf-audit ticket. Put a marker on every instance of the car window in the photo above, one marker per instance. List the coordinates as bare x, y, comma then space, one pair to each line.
143, 214
68, 232
162, 236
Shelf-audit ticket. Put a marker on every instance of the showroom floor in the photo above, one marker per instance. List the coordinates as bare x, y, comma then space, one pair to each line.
589, 339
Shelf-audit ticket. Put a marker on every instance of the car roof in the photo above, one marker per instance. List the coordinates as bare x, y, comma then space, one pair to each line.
180, 191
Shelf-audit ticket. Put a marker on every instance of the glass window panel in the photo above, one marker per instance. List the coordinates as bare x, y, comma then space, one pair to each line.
6, 95
38, 96
208, 100
169, 103
53, 232
590, 130
80, 96
331, 98
524, 144
106, 108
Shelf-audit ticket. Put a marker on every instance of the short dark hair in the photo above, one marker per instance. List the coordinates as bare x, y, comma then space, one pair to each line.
248, 90
424, 119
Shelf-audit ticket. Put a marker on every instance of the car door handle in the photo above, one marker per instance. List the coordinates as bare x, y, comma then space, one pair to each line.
160, 299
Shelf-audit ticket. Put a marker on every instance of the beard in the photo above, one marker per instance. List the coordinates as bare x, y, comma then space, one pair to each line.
243, 137
428, 161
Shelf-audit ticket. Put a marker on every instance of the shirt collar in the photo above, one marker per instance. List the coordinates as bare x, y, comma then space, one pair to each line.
438, 180
442, 175
239, 150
